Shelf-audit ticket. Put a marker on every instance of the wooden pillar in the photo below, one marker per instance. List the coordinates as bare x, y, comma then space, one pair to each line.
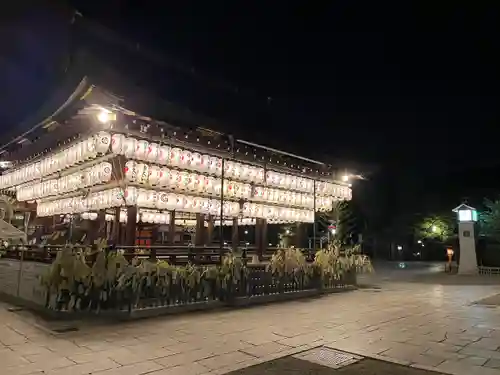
258, 238
264, 239
210, 230
131, 226
115, 234
171, 228
234, 234
299, 235
199, 238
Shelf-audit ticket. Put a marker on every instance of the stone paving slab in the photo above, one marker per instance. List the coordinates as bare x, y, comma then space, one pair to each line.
292, 366
429, 326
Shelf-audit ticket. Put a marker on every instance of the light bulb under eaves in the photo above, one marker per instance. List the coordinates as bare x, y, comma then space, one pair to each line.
104, 116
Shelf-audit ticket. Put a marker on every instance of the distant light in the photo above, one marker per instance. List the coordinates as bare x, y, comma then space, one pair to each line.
270, 244
419, 241
400, 247
333, 230
287, 231
350, 185
247, 243
345, 178
246, 232
418, 254
106, 116
423, 245
225, 243
434, 228
5, 164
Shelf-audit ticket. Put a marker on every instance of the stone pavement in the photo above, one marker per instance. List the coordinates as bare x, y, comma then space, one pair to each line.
425, 325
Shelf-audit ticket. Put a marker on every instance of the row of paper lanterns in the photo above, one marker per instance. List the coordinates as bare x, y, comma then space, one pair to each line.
153, 175
277, 213
185, 181
132, 148
186, 159
248, 221
78, 153
133, 196
181, 158
98, 174
145, 216
117, 197
290, 198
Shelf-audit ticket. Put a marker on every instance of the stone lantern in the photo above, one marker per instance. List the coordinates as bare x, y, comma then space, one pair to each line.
467, 217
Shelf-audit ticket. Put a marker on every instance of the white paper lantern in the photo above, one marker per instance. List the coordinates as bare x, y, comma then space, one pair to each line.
90, 152
154, 175
117, 197
118, 144
196, 162
164, 155
105, 172
162, 202
131, 196
102, 142
205, 163
152, 153
175, 156
142, 173
164, 177
141, 149
129, 147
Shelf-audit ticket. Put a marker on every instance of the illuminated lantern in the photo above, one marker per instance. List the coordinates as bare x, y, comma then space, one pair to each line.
152, 199
180, 203
185, 160
174, 181
102, 142
152, 152
154, 175
91, 151
196, 204
191, 181
130, 171
162, 202
142, 197
218, 166
196, 161
164, 155
205, 163
172, 202
198, 183
238, 168
205, 205
129, 147
117, 144
228, 169
141, 149
116, 197
164, 177
175, 156
105, 172
183, 179
142, 173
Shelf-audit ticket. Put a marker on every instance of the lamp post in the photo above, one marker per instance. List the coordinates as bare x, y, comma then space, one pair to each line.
467, 217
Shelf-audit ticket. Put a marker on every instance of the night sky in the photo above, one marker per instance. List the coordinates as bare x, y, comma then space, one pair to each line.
408, 91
